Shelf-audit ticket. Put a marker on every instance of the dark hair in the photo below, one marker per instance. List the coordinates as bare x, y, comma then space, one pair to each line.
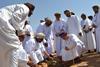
95, 6
30, 6
41, 21
66, 11
83, 15
90, 17
62, 34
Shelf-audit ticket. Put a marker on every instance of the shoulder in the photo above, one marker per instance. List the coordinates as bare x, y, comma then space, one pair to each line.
73, 36
23, 8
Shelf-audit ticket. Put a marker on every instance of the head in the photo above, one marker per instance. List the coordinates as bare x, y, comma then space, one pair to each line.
64, 36
83, 16
31, 8
67, 13
39, 37
57, 16
90, 17
48, 22
21, 36
95, 8
27, 33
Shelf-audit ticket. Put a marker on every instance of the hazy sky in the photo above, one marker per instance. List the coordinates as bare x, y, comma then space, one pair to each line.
47, 8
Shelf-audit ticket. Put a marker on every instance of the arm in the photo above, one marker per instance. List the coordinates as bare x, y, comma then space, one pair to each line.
78, 26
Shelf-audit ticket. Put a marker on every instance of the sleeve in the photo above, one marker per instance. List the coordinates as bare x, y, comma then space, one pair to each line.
94, 20
19, 17
28, 29
42, 48
72, 43
78, 41
23, 56
66, 26
78, 25
53, 32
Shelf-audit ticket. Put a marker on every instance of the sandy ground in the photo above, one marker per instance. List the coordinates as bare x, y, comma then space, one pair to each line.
88, 60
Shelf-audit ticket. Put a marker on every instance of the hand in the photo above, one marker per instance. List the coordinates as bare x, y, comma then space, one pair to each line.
46, 44
30, 63
66, 48
50, 58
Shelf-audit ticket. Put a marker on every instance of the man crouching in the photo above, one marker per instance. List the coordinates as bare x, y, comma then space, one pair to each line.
70, 50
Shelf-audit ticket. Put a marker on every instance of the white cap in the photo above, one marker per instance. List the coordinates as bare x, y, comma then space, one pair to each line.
40, 35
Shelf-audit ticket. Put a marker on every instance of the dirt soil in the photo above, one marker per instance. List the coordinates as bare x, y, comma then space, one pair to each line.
88, 60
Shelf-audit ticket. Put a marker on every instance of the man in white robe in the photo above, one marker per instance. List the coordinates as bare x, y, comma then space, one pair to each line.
73, 24
57, 27
12, 18
45, 28
23, 58
35, 48
96, 24
70, 51
89, 39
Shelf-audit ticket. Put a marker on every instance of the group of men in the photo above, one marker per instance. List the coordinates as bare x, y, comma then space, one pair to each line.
71, 38
68, 39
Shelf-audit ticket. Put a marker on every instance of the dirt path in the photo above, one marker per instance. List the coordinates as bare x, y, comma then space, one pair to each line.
89, 60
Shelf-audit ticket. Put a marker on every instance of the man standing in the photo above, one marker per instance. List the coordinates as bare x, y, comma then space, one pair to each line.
58, 27
89, 39
45, 28
73, 24
12, 19
96, 21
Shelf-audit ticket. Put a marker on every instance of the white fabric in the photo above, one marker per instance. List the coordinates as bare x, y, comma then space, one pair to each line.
22, 57
34, 49
11, 19
72, 44
42, 28
28, 28
73, 25
28, 44
89, 39
57, 28
96, 21
36, 56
